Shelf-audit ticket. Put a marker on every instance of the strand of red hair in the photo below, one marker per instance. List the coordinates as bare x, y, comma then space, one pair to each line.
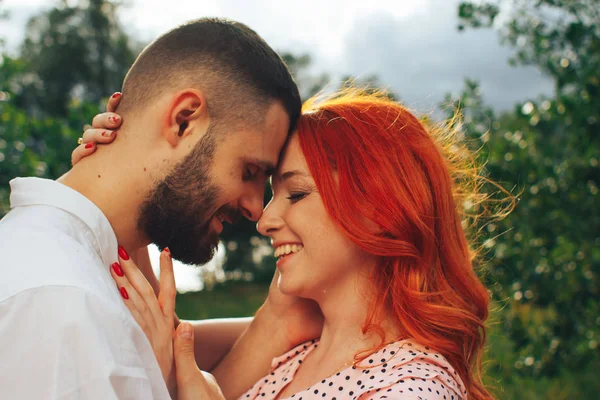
412, 182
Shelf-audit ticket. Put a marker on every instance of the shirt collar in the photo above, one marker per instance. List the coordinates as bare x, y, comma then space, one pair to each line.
38, 191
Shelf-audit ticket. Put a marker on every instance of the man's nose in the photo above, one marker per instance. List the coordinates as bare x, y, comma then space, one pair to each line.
252, 205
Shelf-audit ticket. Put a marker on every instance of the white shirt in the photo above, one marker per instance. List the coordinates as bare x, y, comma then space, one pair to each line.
65, 332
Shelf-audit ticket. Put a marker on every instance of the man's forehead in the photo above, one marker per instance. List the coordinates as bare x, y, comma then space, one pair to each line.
262, 144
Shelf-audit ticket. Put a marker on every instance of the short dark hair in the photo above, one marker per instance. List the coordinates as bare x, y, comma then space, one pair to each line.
238, 71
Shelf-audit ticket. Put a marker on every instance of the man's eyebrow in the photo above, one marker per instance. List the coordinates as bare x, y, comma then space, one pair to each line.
267, 166
289, 174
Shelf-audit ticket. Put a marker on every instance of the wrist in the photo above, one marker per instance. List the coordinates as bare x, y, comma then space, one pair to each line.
272, 325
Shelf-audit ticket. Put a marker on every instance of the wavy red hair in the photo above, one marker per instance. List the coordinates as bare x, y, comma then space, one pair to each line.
372, 160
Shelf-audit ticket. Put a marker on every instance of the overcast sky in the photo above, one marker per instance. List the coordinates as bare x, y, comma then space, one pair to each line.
413, 45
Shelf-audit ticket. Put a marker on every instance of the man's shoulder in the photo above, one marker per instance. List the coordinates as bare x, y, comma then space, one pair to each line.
25, 229
34, 256
59, 305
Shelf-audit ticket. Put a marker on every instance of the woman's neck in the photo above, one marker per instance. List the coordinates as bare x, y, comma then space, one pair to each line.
345, 311
345, 308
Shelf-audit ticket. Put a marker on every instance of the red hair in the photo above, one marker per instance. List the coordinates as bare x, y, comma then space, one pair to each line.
372, 160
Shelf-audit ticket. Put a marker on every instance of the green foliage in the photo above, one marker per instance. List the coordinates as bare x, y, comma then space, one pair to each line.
73, 51
228, 300
31, 146
544, 262
504, 377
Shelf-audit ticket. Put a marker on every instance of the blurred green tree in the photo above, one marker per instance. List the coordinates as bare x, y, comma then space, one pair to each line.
74, 51
545, 259
34, 145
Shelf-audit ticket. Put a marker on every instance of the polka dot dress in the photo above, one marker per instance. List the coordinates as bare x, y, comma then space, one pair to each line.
401, 370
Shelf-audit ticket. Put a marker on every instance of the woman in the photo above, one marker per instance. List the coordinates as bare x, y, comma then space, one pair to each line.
365, 220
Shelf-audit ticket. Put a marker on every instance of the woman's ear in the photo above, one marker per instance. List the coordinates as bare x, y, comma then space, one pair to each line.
188, 112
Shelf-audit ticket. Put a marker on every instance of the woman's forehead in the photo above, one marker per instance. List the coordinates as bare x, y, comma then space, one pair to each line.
292, 156
292, 164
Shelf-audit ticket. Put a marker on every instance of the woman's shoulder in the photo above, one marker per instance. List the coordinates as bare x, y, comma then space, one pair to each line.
400, 370
298, 352
406, 368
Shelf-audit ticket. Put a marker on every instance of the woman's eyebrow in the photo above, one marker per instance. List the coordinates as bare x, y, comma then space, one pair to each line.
289, 174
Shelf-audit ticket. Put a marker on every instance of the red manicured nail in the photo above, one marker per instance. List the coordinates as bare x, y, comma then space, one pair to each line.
116, 95
107, 133
168, 252
124, 293
89, 145
117, 268
123, 254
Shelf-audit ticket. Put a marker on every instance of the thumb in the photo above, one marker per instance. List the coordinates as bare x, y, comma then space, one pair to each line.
192, 383
183, 348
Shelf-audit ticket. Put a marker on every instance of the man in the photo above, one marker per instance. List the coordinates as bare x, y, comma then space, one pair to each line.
207, 108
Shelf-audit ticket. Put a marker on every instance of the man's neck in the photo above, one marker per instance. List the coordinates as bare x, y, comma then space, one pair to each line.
118, 190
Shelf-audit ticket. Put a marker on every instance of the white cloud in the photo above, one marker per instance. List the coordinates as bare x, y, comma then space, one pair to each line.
423, 57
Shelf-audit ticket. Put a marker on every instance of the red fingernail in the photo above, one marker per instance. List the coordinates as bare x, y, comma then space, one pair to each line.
116, 118
107, 133
168, 252
89, 145
123, 254
117, 268
124, 293
114, 96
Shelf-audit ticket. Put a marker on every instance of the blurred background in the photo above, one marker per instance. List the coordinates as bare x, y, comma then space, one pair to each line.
526, 74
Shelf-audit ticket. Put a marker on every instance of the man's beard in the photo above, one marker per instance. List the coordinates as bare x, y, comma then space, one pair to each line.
178, 212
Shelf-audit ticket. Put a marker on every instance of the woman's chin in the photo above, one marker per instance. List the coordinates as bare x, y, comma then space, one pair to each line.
295, 289
289, 288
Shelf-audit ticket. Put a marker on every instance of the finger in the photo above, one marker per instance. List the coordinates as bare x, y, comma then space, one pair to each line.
134, 302
113, 102
98, 136
186, 369
168, 291
107, 120
82, 151
141, 285
192, 383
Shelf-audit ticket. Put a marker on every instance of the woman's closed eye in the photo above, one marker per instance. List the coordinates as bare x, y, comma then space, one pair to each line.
296, 196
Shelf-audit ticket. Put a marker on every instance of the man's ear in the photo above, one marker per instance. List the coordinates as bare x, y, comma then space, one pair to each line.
187, 113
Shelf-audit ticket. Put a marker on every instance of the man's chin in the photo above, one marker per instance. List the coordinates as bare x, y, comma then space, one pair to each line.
195, 257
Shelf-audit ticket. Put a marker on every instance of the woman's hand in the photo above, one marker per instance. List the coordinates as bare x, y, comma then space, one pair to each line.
302, 319
103, 130
154, 315
280, 324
